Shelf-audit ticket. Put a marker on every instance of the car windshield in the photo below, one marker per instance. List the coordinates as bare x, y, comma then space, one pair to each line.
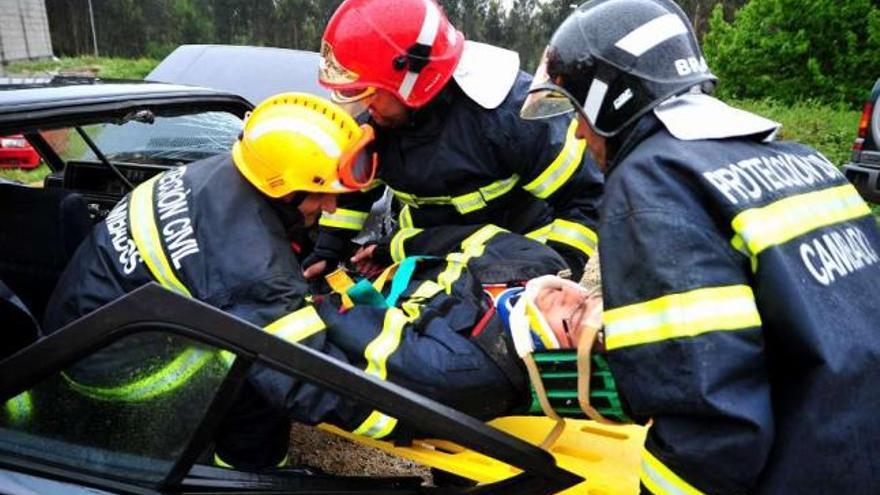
147, 138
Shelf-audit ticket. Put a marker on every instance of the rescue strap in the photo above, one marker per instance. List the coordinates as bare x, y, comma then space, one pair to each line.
463, 203
582, 360
364, 293
559, 374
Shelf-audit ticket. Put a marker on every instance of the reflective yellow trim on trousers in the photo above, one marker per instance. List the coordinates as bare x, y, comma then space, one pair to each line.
413, 304
297, 326
464, 203
398, 253
575, 235
777, 223
562, 168
471, 247
682, 315
405, 219
20, 407
344, 219
378, 425
661, 480
167, 379
145, 233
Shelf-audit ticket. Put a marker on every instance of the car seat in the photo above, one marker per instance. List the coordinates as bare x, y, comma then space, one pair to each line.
39, 231
19, 327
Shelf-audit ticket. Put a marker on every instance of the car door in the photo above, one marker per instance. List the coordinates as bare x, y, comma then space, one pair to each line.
52, 429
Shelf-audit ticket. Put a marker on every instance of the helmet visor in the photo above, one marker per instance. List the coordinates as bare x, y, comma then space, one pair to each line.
354, 101
547, 98
358, 164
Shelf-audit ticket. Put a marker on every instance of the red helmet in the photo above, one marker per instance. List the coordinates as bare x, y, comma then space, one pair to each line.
406, 47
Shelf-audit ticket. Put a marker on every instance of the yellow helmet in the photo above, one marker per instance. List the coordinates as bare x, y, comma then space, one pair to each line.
299, 142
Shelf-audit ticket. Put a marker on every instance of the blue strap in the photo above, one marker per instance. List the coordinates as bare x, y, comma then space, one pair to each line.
364, 294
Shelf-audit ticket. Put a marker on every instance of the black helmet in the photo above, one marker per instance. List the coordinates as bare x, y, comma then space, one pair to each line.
614, 60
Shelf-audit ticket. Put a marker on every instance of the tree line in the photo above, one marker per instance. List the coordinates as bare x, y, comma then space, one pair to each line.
152, 28
787, 50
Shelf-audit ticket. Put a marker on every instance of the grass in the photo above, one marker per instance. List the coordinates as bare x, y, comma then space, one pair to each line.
105, 67
828, 129
25, 176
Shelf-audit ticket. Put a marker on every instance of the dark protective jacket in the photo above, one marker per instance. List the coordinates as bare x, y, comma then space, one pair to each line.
209, 234
740, 280
457, 163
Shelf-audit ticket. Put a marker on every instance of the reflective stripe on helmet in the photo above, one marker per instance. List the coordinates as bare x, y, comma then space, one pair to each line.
595, 99
298, 126
651, 34
427, 35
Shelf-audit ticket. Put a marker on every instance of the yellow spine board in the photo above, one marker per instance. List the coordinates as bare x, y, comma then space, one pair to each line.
606, 456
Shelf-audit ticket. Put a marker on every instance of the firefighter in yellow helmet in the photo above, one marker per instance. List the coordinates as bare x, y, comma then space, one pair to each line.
219, 230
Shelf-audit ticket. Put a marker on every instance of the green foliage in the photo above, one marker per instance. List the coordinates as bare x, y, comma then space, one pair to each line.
830, 129
791, 50
108, 68
34, 176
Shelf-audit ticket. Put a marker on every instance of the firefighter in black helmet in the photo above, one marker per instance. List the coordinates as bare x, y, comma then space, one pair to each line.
734, 267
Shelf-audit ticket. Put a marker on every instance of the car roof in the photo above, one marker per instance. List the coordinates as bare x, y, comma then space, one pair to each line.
254, 72
59, 100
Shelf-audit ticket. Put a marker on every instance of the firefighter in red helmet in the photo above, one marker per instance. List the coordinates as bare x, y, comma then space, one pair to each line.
451, 146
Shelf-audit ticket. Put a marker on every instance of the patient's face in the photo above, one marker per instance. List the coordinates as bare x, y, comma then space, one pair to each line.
564, 308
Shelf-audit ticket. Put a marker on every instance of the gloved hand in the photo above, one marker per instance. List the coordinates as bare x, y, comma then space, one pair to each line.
372, 258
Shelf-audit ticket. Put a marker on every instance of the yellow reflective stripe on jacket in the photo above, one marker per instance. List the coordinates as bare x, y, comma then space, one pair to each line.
464, 203
296, 326
467, 203
471, 247
20, 407
168, 378
344, 219
575, 235
682, 315
145, 233
660, 480
405, 219
378, 425
398, 253
540, 234
561, 168
760, 228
